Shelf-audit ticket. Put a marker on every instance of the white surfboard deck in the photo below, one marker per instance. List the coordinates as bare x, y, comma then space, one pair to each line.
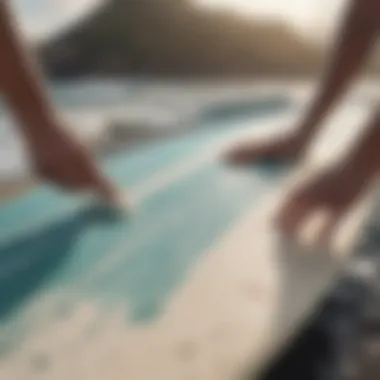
238, 308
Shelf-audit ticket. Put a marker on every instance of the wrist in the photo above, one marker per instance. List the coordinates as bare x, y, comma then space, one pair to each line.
38, 130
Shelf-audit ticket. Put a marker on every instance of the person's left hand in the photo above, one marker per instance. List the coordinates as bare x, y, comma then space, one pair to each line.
60, 159
332, 191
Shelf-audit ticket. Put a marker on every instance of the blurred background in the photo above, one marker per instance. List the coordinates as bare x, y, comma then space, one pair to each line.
128, 71
135, 70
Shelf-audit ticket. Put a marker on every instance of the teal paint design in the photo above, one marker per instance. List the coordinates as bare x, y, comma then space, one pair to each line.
140, 261
126, 170
154, 268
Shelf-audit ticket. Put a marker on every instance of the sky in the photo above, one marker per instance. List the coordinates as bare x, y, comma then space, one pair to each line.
316, 18
312, 17
39, 17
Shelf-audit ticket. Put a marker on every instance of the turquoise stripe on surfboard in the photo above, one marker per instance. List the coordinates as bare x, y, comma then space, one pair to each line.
126, 169
138, 261
88, 256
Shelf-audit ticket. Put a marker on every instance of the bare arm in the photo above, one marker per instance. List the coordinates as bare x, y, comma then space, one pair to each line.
20, 79
56, 155
357, 35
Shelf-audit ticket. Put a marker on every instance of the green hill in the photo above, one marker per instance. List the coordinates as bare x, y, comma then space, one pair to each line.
171, 37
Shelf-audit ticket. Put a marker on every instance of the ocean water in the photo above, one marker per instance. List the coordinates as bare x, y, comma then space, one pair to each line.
89, 106
86, 104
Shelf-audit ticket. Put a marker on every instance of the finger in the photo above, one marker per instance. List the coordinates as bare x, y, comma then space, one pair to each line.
328, 230
242, 154
293, 213
119, 201
71, 178
63, 179
105, 189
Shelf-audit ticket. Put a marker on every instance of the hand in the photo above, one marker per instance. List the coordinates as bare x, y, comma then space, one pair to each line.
288, 147
334, 190
63, 161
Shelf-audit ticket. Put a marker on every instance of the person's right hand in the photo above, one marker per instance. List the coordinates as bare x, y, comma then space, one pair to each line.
282, 148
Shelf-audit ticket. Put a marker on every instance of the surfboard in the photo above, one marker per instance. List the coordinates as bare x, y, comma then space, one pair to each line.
194, 284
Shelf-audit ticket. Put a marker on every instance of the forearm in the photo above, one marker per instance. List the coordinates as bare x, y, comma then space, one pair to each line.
20, 80
357, 35
366, 151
